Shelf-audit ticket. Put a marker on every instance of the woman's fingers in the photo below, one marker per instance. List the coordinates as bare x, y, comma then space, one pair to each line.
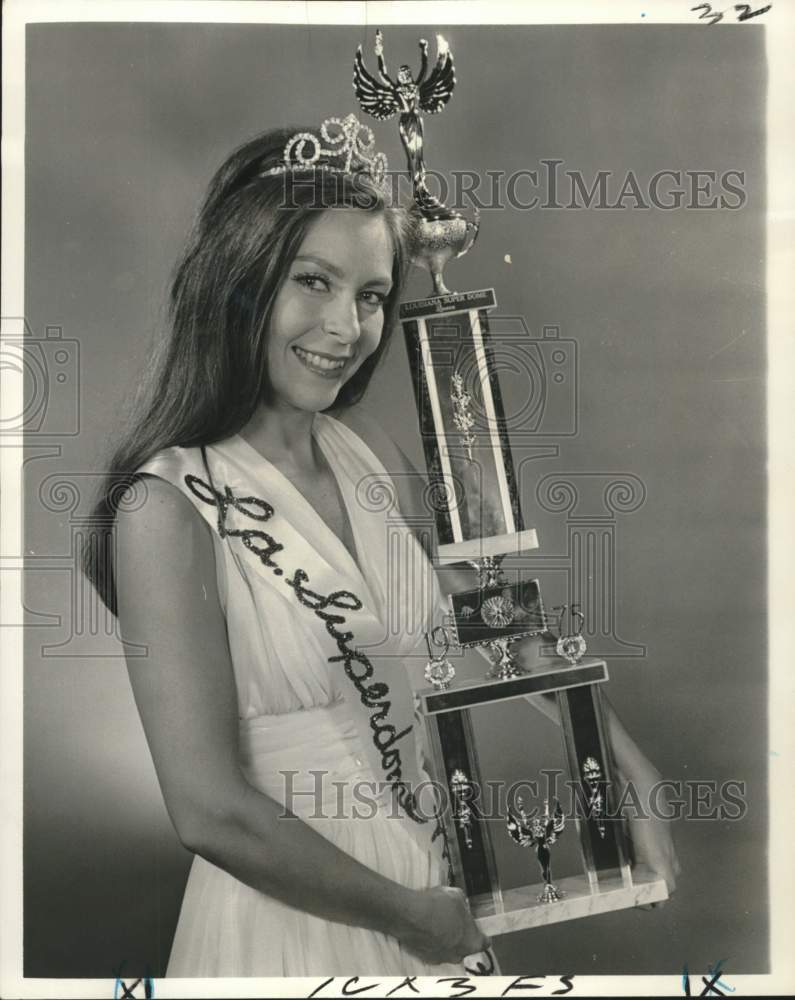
448, 932
477, 941
474, 940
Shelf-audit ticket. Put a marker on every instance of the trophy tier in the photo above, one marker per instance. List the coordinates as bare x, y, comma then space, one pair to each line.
486, 690
608, 881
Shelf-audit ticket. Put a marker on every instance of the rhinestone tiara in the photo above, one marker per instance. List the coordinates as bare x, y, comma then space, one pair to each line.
344, 146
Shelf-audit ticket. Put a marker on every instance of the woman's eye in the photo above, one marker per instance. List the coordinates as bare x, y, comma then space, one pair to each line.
314, 282
372, 298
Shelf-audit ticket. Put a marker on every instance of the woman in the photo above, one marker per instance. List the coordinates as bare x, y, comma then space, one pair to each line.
245, 561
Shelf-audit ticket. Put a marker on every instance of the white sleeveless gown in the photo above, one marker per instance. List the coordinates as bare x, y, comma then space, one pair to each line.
293, 709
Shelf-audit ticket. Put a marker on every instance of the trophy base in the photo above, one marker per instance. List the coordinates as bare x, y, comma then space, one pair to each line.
504, 666
550, 894
523, 907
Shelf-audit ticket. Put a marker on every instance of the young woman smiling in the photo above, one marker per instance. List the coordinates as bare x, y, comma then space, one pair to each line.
233, 542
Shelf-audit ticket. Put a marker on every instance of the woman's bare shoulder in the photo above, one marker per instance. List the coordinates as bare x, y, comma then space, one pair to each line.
154, 506
164, 548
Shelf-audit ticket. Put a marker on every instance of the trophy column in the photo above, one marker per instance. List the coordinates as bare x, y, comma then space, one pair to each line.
463, 430
590, 768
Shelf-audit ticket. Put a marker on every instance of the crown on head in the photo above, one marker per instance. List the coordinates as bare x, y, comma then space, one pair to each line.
344, 146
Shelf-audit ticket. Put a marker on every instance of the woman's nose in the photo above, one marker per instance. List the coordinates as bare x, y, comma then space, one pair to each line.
342, 319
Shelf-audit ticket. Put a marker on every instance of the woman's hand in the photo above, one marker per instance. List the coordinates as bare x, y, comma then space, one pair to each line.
442, 928
650, 834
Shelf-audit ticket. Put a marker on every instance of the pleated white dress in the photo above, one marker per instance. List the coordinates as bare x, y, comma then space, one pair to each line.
295, 706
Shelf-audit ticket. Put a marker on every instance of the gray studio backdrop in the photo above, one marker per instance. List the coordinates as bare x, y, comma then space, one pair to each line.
660, 315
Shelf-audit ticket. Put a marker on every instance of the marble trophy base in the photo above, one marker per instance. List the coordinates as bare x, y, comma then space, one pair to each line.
521, 908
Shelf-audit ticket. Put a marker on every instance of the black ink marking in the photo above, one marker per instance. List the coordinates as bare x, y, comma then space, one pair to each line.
710, 985
459, 983
517, 984
129, 991
319, 988
408, 981
348, 992
746, 13
708, 12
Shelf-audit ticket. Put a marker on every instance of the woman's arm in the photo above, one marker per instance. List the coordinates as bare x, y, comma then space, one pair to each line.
185, 692
651, 834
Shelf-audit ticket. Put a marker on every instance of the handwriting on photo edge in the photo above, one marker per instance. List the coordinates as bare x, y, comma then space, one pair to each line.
451, 987
712, 987
140, 987
743, 12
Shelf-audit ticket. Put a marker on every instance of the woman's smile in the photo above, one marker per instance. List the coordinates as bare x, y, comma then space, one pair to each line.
319, 364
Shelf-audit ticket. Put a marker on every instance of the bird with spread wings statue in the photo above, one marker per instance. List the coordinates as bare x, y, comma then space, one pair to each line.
540, 833
408, 95
439, 233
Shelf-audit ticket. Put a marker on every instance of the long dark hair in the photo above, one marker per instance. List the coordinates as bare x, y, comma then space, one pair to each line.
209, 376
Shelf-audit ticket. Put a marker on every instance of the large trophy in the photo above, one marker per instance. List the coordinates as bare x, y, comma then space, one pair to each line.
479, 521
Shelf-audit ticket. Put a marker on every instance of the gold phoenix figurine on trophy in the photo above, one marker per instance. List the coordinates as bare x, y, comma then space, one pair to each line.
540, 833
439, 232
